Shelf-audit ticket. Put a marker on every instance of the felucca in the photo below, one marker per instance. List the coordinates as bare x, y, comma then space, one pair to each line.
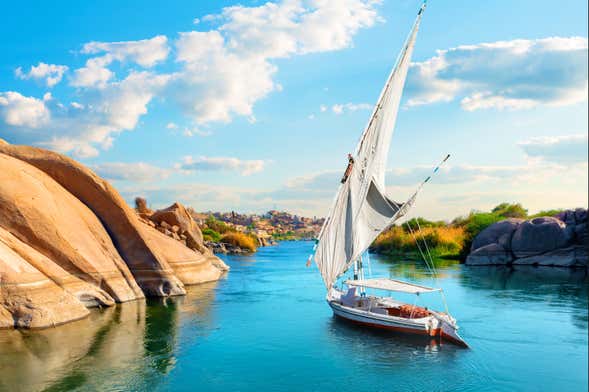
360, 212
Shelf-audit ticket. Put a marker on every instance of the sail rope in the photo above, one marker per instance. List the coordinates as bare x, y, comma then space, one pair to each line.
435, 272
426, 261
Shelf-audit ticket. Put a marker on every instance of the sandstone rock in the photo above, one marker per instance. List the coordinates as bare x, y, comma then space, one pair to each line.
177, 215
147, 264
491, 254
191, 267
28, 298
497, 233
86, 293
540, 235
141, 206
175, 229
41, 213
165, 225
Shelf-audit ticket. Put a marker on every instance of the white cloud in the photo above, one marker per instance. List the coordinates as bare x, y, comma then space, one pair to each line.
518, 74
171, 125
83, 129
146, 52
245, 43
213, 84
94, 74
20, 111
322, 108
350, 107
202, 163
135, 172
558, 149
196, 132
51, 73
221, 73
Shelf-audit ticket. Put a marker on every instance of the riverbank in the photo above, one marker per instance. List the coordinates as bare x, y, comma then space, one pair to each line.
464, 235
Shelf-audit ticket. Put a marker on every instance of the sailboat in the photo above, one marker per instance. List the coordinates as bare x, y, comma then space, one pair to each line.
360, 212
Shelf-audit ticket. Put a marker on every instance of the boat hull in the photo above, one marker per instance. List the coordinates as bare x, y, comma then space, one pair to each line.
429, 326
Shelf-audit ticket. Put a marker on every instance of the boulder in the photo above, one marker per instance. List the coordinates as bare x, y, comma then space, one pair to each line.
176, 215
191, 267
41, 213
141, 206
581, 235
497, 233
147, 264
571, 256
490, 254
580, 215
539, 235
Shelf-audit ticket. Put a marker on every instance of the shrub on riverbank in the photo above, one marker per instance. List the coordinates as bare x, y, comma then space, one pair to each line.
447, 239
442, 241
240, 240
210, 235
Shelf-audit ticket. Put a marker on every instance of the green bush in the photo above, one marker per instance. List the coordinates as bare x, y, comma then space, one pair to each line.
217, 225
507, 210
415, 223
546, 213
211, 235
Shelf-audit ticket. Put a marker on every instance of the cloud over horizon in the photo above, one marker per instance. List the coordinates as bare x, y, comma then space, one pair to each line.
565, 149
244, 167
517, 74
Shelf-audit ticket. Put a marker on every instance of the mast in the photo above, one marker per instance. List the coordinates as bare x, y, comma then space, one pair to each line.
361, 210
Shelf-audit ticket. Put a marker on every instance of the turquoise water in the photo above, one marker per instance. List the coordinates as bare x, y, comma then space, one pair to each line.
267, 327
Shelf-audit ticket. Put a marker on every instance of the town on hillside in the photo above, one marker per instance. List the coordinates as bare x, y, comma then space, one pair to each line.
272, 225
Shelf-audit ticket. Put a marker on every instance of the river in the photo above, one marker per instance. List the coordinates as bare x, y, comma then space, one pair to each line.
266, 326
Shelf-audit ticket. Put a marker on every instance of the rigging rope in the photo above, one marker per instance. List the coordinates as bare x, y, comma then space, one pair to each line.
419, 248
428, 252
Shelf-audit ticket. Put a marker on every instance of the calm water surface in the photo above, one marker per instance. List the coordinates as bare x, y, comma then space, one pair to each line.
267, 327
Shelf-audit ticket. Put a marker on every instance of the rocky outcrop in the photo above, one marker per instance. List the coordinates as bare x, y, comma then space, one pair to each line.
175, 223
549, 241
68, 241
189, 266
152, 273
178, 220
28, 298
39, 212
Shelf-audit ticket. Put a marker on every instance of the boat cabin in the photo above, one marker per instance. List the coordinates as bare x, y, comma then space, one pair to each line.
385, 305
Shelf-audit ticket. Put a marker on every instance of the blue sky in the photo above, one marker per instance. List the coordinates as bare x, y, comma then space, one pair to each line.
253, 105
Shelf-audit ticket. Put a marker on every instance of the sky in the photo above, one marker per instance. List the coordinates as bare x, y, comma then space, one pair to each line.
254, 105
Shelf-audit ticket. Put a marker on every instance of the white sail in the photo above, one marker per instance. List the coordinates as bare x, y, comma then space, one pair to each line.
361, 210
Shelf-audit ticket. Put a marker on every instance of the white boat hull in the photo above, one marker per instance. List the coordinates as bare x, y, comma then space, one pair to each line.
436, 325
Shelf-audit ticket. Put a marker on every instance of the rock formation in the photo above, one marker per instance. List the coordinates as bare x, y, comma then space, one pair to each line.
69, 241
179, 221
556, 241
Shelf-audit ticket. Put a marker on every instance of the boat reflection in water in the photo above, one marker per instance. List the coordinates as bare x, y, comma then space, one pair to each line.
126, 347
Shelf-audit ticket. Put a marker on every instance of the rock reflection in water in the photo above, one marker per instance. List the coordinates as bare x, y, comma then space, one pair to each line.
556, 287
127, 347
